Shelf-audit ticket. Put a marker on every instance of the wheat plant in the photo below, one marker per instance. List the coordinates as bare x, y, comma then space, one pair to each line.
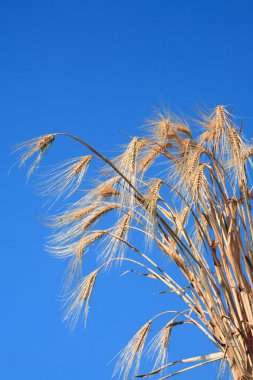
189, 194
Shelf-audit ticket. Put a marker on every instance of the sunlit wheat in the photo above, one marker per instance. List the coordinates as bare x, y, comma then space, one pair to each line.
190, 194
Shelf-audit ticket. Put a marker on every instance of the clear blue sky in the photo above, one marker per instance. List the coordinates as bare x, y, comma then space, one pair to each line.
94, 68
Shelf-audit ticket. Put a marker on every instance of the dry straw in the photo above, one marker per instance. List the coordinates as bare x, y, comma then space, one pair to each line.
207, 177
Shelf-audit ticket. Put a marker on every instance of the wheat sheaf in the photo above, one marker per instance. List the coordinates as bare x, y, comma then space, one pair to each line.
188, 191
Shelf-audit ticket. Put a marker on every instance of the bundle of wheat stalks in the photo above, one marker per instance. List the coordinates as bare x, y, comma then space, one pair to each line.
195, 206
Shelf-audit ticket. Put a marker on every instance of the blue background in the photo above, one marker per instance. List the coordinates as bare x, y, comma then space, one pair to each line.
94, 68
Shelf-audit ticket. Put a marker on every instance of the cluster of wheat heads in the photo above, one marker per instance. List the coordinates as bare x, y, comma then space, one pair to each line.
189, 194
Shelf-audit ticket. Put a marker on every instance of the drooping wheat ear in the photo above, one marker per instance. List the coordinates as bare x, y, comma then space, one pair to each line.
73, 215
77, 248
104, 189
68, 234
78, 297
64, 178
114, 245
159, 345
131, 355
29, 148
95, 216
86, 240
151, 153
78, 251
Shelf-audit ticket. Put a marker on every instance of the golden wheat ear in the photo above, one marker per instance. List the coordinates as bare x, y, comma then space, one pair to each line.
114, 245
37, 146
80, 296
64, 179
159, 345
130, 357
